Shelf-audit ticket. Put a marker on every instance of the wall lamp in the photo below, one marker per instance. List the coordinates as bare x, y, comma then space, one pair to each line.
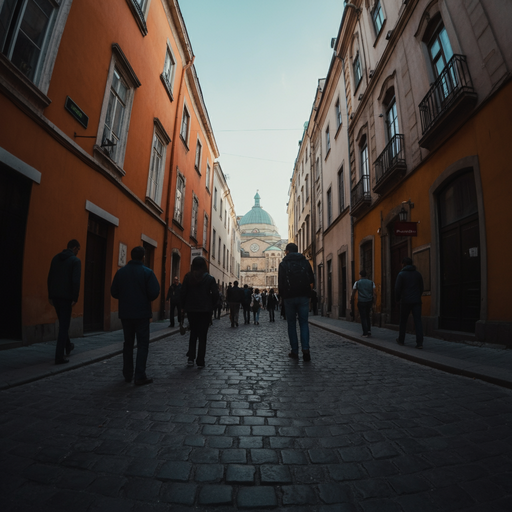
402, 214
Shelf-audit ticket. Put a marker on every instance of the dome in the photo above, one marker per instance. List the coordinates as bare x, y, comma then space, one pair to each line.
257, 215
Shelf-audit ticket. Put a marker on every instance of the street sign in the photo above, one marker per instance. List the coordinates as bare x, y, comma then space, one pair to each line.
406, 229
194, 253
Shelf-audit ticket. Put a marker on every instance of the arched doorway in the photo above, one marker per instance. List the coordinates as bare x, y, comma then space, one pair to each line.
460, 254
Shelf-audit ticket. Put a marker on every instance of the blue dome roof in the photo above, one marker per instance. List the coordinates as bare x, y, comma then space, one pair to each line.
257, 215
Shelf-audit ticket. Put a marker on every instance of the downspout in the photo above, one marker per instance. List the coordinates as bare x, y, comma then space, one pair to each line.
163, 287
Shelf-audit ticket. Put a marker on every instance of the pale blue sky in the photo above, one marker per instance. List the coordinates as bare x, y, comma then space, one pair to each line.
259, 62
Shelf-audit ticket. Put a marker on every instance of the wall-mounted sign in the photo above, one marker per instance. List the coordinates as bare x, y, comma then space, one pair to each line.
121, 262
76, 112
406, 229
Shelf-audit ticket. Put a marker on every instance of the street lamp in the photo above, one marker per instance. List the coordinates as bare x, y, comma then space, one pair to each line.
402, 214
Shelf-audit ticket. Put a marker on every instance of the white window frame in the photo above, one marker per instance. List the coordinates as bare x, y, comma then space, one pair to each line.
140, 10
185, 125
199, 154
157, 163
378, 17
179, 202
215, 199
214, 238
208, 175
339, 117
169, 71
327, 140
205, 230
119, 64
194, 217
357, 70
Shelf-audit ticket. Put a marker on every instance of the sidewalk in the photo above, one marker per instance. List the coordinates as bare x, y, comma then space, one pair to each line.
26, 364
489, 363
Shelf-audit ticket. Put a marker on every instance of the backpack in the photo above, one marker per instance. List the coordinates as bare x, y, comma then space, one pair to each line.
298, 279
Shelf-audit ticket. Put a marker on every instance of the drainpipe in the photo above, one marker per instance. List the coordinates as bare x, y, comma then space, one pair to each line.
163, 287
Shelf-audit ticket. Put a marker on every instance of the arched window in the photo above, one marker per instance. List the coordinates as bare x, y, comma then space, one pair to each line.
438, 44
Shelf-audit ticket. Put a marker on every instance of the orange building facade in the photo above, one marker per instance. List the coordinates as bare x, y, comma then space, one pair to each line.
105, 138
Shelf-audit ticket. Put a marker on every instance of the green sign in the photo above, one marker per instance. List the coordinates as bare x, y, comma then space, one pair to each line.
76, 112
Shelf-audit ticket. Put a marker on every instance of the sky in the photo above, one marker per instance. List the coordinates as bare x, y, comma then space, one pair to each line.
258, 63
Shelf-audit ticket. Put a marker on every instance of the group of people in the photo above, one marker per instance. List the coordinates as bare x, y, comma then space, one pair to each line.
136, 286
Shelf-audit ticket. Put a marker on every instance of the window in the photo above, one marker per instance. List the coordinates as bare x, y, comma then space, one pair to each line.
220, 214
180, 199
156, 166
168, 72
225, 217
224, 256
307, 188
227, 259
215, 198
391, 120
365, 172
338, 114
197, 164
319, 215
220, 242
205, 231
357, 71
341, 190
185, 125
139, 11
317, 167
440, 49
329, 207
25, 30
213, 243
208, 174
327, 141
193, 221
378, 18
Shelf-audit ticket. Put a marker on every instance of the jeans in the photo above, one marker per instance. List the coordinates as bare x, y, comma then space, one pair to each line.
365, 309
415, 309
297, 307
256, 315
199, 321
135, 327
63, 309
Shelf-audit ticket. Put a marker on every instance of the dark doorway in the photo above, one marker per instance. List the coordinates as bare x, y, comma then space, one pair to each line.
175, 267
329, 286
460, 255
94, 279
398, 246
367, 259
14, 203
342, 285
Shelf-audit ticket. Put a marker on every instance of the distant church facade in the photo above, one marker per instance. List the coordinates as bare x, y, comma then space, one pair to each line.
262, 248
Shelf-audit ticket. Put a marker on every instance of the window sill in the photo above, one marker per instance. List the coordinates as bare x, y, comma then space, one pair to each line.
197, 170
167, 87
194, 239
178, 225
338, 131
107, 161
154, 206
184, 142
18, 87
139, 16
327, 155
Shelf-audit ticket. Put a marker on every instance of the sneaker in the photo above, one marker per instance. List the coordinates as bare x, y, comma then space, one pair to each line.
200, 365
306, 355
190, 362
293, 355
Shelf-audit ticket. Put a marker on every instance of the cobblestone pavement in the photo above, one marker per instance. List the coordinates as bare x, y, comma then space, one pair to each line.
355, 429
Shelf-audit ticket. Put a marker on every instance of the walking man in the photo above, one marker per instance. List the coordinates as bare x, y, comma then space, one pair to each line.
366, 296
296, 279
408, 291
135, 286
173, 296
63, 289
234, 297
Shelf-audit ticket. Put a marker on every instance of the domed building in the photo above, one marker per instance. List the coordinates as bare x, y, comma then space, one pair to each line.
262, 248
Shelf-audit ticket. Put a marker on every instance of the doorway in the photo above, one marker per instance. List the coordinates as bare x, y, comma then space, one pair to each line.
329, 286
398, 251
94, 279
460, 289
14, 203
342, 285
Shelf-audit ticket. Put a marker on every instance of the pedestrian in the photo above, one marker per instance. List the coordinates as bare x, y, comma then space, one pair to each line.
296, 279
264, 299
217, 309
246, 304
135, 286
408, 291
272, 302
256, 305
366, 296
173, 296
63, 289
314, 302
234, 298
199, 295
281, 306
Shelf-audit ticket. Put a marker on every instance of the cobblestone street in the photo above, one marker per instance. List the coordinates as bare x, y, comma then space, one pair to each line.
353, 430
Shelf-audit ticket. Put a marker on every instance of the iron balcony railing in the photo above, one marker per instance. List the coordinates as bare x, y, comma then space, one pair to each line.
361, 192
392, 158
453, 81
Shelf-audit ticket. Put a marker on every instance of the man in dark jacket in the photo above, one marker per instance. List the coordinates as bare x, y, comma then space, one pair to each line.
296, 279
234, 297
408, 291
246, 303
63, 290
173, 296
135, 286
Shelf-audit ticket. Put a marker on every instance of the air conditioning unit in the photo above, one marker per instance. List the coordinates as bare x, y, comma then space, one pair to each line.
389, 34
360, 97
372, 72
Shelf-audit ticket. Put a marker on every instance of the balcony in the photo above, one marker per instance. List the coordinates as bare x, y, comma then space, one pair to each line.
448, 102
390, 166
360, 196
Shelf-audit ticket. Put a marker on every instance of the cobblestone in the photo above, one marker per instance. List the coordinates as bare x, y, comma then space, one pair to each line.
354, 430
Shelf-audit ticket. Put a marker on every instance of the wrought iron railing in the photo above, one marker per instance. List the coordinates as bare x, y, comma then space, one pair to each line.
453, 81
392, 157
361, 191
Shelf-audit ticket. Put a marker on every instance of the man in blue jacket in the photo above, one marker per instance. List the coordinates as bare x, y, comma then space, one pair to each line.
135, 286
63, 289
408, 291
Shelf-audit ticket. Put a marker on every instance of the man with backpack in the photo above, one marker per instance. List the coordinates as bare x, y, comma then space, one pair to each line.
365, 289
296, 279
